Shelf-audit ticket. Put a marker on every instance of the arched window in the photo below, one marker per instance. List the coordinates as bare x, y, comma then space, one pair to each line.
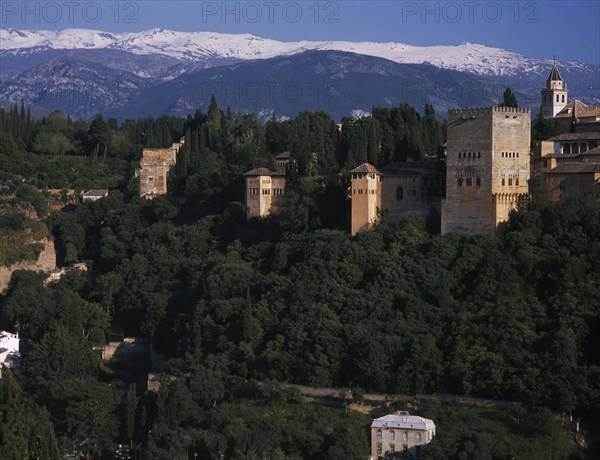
405, 436
150, 179
503, 183
399, 193
378, 434
392, 434
567, 148
418, 437
563, 98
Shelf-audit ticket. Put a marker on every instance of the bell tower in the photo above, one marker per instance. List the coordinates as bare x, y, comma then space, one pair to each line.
554, 94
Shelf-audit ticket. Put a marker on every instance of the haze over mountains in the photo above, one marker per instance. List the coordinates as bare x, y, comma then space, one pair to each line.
159, 71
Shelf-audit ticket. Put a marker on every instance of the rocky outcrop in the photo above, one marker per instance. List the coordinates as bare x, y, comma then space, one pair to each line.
46, 262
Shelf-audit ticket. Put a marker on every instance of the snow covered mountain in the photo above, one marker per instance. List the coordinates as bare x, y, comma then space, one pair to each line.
207, 46
117, 72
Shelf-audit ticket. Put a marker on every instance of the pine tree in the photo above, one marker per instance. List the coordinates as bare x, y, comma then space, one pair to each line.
14, 425
509, 99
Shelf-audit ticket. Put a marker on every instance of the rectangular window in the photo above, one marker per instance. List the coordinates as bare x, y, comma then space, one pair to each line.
379, 449
405, 436
460, 182
266, 191
478, 182
510, 181
469, 181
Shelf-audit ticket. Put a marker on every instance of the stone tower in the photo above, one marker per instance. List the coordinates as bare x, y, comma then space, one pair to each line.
263, 187
487, 168
366, 197
554, 94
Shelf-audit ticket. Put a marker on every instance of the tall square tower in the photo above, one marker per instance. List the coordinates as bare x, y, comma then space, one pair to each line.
487, 169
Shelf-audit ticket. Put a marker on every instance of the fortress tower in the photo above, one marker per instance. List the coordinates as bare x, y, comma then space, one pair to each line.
554, 94
155, 166
366, 197
487, 168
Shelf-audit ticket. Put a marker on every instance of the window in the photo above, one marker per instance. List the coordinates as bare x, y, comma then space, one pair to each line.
478, 154
392, 434
379, 450
392, 448
378, 434
253, 191
503, 183
478, 181
563, 98
418, 437
150, 179
405, 436
460, 182
399, 193
557, 98
266, 191
469, 181
510, 181
545, 163
517, 181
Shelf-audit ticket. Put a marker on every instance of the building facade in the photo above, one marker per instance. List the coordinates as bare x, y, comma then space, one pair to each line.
263, 187
400, 433
487, 167
9, 349
392, 191
155, 167
568, 165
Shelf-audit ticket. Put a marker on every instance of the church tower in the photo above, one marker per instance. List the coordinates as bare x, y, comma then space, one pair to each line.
554, 94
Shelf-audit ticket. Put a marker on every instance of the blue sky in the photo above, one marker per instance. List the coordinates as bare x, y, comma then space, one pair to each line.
571, 29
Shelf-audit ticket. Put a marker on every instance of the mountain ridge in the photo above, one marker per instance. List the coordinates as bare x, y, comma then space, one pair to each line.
208, 46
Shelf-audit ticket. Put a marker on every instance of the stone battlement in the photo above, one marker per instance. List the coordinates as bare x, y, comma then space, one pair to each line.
486, 110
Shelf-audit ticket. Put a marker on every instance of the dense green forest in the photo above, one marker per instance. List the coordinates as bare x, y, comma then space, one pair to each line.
294, 298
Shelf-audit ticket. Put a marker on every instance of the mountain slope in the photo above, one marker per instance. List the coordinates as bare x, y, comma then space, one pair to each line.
337, 82
74, 86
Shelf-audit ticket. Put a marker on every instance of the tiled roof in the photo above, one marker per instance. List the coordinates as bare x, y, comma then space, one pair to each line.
404, 422
365, 168
576, 168
581, 110
263, 172
576, 137
100, 193
283, 156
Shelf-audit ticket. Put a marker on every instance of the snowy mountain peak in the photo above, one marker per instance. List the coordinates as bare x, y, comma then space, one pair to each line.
201, 46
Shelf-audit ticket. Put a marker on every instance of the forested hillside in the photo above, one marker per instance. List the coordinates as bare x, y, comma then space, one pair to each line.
512, 315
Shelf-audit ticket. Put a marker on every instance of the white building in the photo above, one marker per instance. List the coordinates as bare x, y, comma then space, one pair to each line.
9, 349
95, 195
400, 432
